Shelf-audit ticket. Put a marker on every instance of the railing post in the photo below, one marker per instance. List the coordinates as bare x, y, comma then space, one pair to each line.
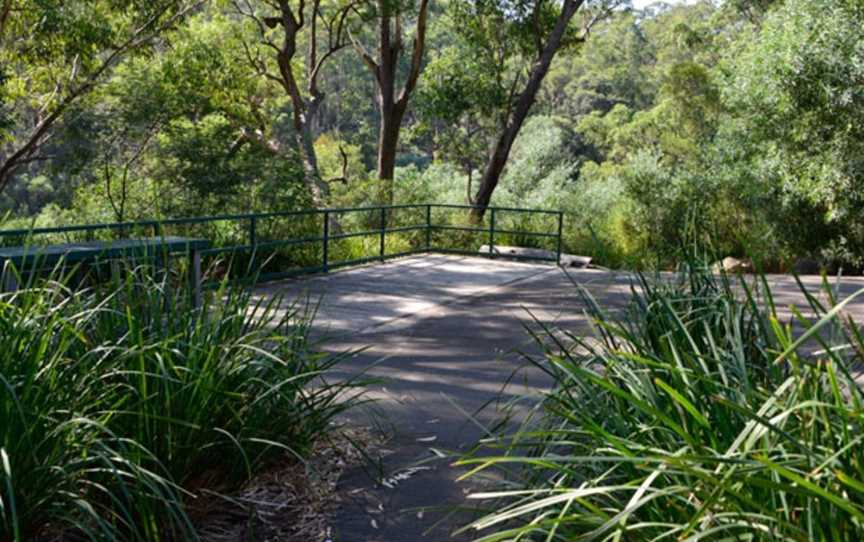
157, 229
492, 232
253, 238
383, 232
253, 231
326, 240
428, 227
560, 230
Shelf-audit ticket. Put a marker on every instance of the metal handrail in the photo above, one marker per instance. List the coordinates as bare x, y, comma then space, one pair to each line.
254, 246
500, 209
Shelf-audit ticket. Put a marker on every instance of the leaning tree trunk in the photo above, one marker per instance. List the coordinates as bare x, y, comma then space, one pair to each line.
304, 138
501, 150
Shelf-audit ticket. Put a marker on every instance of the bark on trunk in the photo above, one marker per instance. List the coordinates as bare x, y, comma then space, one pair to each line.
389, 48
504, 143
304, 109
388, 142
392, 107
318, 189
303, 112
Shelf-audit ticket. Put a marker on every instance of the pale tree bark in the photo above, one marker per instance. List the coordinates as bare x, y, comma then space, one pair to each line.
383, 67
500, 151
26, 147
305, 101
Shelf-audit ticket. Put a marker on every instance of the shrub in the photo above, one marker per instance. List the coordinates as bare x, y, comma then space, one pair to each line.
120, 404
695, 414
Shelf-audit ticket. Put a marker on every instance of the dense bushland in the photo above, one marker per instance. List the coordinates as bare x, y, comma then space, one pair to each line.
122, 406
695, 414
735, 122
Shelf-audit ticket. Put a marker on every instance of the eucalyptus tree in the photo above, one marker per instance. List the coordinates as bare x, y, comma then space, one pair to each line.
54, 53
188, 131
460, 96
614, 67
390, 19
526, 34
284, 29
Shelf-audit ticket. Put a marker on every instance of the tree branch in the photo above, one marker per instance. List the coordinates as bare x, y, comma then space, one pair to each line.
4, 17
366, 56
335, 43
344, 178
416, 54
141, 35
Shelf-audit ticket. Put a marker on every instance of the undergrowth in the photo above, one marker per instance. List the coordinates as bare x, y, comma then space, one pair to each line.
700, 413
122, 404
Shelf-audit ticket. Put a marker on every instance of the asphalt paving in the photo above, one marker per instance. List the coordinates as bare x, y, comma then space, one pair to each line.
445, 337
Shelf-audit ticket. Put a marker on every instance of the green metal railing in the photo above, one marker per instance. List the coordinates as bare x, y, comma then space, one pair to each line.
327, 229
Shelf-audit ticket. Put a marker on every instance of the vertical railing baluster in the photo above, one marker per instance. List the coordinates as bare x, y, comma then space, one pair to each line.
381, 248
492, 232
326, 255
253, 231
560, 232
428, 227
253, 243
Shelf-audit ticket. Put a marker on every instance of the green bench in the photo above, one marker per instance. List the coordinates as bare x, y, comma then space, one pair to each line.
94, 251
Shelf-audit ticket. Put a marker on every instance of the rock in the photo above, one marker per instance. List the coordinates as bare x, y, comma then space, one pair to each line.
522, 253
518, 253
806, 266
572, 260
732, 265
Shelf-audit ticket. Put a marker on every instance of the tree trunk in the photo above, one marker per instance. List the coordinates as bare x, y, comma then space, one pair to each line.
305, 106
318, 189
388, 142
389, 49
388, 134
501, 150
391, 108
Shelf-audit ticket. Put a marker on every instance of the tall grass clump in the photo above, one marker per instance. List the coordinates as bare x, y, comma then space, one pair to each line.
697, 413
121, 405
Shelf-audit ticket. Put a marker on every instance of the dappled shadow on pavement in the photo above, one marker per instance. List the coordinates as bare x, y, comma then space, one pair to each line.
444, 337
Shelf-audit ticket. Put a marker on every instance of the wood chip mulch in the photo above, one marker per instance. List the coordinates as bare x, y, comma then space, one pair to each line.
291, 501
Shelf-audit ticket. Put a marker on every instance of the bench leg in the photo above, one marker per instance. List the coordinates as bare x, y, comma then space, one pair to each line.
195, 272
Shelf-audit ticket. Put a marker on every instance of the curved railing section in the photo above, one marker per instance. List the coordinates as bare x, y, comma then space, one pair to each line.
271, 245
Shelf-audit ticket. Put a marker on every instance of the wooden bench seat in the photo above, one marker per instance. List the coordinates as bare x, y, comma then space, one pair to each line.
90, 251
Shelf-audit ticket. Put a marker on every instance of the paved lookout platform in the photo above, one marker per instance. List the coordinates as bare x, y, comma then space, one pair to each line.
443, 335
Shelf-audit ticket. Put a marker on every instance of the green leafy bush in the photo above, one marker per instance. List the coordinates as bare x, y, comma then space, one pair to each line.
795, 128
